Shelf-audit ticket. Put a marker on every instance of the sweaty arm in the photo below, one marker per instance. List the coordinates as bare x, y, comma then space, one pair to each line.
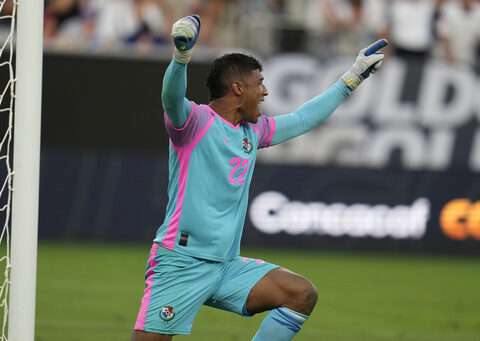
310, 114
177, 107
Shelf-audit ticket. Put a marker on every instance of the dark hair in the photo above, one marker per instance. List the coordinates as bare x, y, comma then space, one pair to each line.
225, 68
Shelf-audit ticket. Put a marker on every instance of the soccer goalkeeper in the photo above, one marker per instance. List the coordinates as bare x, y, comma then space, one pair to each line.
195, 255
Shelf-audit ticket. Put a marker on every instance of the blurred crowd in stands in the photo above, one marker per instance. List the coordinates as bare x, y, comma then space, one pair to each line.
448, 29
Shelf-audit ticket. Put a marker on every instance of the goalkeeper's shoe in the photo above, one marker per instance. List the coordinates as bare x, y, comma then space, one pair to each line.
185, 34
368, 61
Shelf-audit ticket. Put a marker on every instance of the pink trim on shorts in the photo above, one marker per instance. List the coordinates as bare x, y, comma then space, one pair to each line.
184, 154
142, 315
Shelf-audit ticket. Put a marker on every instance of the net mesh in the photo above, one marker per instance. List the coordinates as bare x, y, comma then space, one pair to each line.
7, 87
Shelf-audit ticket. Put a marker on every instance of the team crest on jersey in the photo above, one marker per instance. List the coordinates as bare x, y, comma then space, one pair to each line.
167, 313
247, 146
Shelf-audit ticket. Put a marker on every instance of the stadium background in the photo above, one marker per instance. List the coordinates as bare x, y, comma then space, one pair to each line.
410, 133
105, 151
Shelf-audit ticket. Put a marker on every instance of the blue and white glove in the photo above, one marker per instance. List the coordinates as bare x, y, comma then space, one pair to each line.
185, 34
369, 60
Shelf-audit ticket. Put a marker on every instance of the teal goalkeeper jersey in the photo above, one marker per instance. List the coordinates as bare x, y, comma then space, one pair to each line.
211, 166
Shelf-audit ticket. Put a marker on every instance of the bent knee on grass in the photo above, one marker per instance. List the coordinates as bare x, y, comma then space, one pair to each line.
301, 296
283, 288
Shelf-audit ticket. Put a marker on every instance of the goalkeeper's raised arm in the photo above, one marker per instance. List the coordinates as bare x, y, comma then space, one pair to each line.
184, 34
318, 109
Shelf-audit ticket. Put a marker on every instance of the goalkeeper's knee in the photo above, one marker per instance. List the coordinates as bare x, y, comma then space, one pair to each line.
185, 34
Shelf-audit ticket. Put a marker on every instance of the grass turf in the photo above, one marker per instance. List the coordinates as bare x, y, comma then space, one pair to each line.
92, 292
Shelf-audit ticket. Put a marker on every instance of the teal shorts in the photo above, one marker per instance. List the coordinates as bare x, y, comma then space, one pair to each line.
178, 285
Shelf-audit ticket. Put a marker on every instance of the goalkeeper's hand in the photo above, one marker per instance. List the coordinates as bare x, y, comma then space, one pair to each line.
185, 34
369, 60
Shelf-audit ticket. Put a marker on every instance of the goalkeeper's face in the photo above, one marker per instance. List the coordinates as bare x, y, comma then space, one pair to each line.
255, 92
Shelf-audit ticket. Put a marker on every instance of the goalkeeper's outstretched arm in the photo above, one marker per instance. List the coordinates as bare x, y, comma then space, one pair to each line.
318, 109
177, 107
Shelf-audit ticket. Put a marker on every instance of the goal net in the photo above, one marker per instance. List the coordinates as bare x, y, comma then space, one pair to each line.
7, 88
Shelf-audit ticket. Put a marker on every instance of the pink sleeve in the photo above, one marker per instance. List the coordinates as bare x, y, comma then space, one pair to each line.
183, 136
265, 127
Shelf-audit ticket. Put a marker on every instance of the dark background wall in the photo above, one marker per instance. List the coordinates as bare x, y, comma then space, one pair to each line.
104, 167
108, 102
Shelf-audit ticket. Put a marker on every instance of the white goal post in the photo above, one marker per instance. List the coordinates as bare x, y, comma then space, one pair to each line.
26, 164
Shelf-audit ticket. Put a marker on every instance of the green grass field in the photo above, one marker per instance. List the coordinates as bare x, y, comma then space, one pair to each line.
92, 292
